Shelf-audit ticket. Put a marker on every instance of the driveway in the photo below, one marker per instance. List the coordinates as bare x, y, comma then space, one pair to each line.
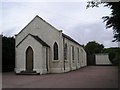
87, 77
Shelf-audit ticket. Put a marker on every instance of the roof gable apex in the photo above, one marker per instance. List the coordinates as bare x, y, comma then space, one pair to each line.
47, 23
33, 20
36, 38
27, 25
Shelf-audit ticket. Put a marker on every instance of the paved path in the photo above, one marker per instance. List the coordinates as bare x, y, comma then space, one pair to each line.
88, 77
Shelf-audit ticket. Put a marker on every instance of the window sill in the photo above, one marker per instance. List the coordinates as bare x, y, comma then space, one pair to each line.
55, 61
66, 61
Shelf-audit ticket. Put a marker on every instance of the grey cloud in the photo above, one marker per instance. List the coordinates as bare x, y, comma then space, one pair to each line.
81, 24
84, 33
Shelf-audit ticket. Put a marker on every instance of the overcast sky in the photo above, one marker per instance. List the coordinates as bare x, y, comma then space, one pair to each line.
82, 24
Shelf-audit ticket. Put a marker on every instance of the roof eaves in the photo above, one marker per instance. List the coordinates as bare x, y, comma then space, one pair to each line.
21, 41
69, 38
40, 40
36, 38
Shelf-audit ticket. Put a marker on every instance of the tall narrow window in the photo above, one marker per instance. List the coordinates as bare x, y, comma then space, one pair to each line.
55, 47
47, 59
78, 54
73, 53
65, 51
82, 55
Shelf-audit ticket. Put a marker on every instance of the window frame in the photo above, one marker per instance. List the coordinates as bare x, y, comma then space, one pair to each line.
78, 51
73, 52
55, 52
65, 51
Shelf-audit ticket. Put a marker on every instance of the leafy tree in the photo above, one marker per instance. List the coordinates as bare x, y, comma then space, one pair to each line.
114, 55
112, 20
8, 53
93, 47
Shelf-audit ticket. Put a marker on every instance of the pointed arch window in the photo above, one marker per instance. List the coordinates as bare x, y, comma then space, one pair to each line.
78, 54
55, 47
65, 51
73, 53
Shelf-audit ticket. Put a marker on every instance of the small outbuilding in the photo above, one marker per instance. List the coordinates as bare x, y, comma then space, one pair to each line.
102, 59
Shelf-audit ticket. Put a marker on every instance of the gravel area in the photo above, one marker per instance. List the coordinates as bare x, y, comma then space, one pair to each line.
87, 77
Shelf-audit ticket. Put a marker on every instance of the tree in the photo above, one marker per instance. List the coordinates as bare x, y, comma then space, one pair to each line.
112, 20
114, 55
94, 47
8, 54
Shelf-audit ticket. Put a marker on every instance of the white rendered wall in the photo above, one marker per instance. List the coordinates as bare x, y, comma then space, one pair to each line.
102, 59
69, 64
48, 34
21, 55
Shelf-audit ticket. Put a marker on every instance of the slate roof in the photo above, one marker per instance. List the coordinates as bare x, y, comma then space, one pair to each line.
37, 39
69, 38
40, 40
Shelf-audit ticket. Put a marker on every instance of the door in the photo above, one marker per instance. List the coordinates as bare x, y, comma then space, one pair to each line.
29, 59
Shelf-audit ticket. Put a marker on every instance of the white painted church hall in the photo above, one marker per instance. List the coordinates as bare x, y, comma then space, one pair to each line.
41, 48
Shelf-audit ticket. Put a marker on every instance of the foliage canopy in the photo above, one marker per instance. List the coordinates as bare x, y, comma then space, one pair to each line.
113, 20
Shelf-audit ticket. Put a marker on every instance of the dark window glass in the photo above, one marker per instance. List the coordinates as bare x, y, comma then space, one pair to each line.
55, 51
65, 52
78, 55
73, 53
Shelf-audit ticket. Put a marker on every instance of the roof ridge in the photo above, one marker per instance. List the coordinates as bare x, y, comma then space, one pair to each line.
71, 39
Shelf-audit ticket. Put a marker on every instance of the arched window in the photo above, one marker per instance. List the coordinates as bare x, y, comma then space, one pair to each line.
78, 55
65, 51
73, 53
55, 47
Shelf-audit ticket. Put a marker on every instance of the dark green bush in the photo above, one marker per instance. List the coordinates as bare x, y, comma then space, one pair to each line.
8, 54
